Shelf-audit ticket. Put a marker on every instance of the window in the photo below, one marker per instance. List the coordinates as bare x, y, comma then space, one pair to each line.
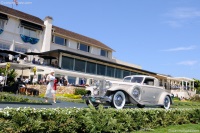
127, 79
126, 73
101, 69
20, 49
29, 32
149, 81
137, 80
79, 65
4, 46
83, 47
2, 23
134, 73
60, 40
91, 68
72, 80
110, 71
67, 63
118, 73
82, 81
104, 53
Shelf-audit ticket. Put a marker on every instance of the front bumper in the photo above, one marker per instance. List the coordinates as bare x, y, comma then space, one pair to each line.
98, 99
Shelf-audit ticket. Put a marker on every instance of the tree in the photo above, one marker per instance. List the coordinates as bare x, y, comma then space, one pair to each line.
197, 85
11, 75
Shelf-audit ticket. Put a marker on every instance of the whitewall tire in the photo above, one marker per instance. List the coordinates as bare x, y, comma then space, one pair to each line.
166, 102
118, 100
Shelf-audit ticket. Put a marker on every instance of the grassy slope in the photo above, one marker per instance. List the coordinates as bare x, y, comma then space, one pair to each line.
186, 128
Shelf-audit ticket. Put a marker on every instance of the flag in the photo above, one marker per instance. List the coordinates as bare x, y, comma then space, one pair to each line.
16, 2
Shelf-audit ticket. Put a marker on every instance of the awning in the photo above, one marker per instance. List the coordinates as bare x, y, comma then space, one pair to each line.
33, 53
13, 53
31, 25
47, 57
3, 16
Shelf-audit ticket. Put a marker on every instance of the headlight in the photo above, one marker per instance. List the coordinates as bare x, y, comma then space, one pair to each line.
96, 84
108, 84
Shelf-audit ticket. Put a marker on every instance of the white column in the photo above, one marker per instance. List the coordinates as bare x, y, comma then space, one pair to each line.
182, 86
186, 85
193, 85
190, 87
60, 60
12, 48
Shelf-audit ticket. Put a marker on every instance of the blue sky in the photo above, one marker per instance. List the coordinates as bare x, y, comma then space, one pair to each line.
161, 36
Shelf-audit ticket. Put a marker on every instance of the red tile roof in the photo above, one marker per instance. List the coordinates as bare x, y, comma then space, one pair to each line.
21, 15
80, 38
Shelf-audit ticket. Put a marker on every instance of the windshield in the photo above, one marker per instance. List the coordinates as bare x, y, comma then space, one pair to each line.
137, 80
127, 79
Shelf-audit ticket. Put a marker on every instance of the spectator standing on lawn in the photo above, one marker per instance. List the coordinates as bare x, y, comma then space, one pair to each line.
2, 81
50, 92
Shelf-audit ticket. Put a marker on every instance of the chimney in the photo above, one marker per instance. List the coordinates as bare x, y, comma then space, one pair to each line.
47, 34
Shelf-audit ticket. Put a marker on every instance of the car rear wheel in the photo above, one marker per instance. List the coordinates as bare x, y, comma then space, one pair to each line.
118, 100
91, 101
140, 106
166, 104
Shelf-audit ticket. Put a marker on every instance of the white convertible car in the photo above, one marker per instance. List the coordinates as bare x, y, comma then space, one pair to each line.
137, 89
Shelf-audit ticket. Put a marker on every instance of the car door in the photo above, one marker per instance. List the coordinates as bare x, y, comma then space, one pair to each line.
150, 92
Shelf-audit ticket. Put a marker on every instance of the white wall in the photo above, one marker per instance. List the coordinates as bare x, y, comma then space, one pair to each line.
11, 35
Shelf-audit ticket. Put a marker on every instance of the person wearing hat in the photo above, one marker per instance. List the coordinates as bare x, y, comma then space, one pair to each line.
50, 92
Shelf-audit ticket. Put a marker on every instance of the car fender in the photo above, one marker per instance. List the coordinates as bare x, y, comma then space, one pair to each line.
162, 96
90, 89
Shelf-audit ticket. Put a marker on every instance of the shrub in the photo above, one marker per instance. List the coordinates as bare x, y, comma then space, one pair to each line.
80, 91
195, 98
92, 120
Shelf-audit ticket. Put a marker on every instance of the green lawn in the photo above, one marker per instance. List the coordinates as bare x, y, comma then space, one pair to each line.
186, 128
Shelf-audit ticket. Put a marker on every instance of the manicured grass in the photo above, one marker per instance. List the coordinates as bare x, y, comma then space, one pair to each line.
67, 98
185, 128
8, 97
185, 104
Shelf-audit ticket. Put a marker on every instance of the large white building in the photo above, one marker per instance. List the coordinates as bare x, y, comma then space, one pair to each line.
76, 56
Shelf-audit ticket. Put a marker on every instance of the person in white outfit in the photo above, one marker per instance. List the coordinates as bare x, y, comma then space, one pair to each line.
50, 92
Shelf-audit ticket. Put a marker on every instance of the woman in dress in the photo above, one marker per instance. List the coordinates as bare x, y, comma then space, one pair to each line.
51, 92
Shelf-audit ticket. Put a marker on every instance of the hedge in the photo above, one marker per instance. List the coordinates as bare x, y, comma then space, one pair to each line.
91, 120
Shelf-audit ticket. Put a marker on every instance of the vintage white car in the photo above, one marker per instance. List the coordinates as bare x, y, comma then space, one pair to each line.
140, 90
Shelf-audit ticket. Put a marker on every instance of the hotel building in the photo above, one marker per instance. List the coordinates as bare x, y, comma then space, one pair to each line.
75, 56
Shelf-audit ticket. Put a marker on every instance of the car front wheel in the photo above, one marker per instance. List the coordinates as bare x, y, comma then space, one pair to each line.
91, 101
166, 104
118, 100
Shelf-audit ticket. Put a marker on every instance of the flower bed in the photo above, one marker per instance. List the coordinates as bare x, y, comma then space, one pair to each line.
92, 120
